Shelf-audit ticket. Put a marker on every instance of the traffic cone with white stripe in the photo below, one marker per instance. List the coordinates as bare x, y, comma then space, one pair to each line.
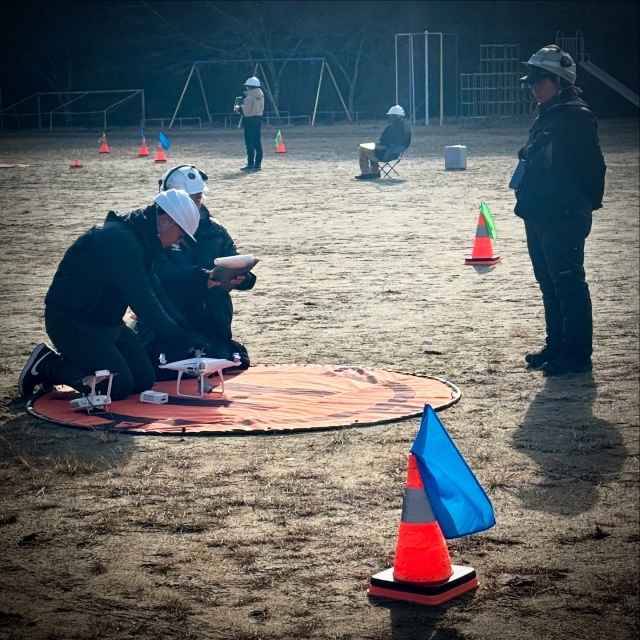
161, 156
482, 252
422, 572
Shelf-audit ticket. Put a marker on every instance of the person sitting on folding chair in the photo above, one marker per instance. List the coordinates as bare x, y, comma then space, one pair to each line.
396, 134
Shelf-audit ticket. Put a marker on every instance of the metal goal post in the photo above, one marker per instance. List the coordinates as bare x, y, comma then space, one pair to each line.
65, 99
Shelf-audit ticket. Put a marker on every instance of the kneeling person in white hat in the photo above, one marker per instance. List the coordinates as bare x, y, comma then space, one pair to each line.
106, 270
396, 134
185, 269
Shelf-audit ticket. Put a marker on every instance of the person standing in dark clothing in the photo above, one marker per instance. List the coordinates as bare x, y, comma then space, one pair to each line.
562, 184
252, 108
106, 270
396, 134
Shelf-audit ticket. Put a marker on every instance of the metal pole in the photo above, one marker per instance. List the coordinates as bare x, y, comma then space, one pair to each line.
335, 84
426, 78
441, 83
142, 123
315, 106
396, 48
39, 122
426, 73
184, 90
413, 83
104, 126
456, 81
204, 97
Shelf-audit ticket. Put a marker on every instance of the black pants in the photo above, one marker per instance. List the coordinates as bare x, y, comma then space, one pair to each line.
213, 319
86, 347
556, 247
252, 128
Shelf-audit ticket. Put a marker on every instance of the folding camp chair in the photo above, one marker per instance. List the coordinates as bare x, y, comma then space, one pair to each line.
390, 160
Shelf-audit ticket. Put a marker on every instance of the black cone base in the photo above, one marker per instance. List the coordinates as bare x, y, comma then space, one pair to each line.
463, 579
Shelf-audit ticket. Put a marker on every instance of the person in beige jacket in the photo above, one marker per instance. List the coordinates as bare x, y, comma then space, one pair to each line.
252, 109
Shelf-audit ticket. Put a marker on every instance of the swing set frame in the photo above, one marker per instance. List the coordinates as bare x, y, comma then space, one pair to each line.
258, 67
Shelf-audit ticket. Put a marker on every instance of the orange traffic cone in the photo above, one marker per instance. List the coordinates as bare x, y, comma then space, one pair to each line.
160, 154
482, 252
422, 571
104, 148
76, 165
144, 151
280, 148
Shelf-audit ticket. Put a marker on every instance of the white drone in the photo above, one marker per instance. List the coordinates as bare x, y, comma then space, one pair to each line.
94, 402
201, 368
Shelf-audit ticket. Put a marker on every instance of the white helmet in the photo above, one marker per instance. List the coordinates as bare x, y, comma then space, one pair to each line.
186, 178
180, 208
550, 60
396, 111
252, 82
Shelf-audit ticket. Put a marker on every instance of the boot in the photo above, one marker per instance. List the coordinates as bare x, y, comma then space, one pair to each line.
536, 360
567, 364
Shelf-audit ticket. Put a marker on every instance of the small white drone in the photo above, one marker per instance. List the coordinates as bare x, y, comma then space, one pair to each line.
201, 368
94, 402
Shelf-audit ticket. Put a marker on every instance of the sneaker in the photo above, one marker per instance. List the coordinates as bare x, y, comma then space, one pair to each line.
566, 364
31, 376
375, 176
365, 176
249, 167
536, 360
254, 169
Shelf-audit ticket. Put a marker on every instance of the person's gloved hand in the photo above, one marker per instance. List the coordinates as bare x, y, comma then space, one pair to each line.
192, 341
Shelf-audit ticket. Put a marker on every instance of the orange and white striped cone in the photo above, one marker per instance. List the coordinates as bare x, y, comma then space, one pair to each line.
104, 147
160, 154
144, 150
422, 571
482, 252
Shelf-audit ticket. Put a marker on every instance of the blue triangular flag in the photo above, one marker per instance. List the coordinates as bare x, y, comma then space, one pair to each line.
457, 499
164, 141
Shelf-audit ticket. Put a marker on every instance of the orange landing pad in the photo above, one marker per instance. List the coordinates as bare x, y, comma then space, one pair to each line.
383, 585
264, 398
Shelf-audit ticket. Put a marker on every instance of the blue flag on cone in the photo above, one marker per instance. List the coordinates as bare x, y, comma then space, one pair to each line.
164, 141
457, 499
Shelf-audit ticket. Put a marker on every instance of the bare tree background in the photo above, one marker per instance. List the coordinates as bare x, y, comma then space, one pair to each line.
73, 45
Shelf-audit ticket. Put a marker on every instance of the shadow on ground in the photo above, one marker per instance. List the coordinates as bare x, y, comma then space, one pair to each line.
27, 441
412, 621
575, 451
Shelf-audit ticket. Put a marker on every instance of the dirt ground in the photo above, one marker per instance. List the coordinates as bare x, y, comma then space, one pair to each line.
265, 537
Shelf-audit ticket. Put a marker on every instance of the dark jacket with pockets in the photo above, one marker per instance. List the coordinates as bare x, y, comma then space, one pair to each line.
109, 268
563, 160
395, 134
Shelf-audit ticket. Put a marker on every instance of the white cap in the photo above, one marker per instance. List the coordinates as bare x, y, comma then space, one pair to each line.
180, 208
550, 60
396, 111
252, 82
186, 178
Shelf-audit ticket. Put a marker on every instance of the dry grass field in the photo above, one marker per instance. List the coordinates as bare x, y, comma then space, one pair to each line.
265, 537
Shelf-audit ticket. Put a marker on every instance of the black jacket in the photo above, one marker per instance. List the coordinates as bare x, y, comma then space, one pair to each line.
563, 160
181, 269
108, 268
395, 134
